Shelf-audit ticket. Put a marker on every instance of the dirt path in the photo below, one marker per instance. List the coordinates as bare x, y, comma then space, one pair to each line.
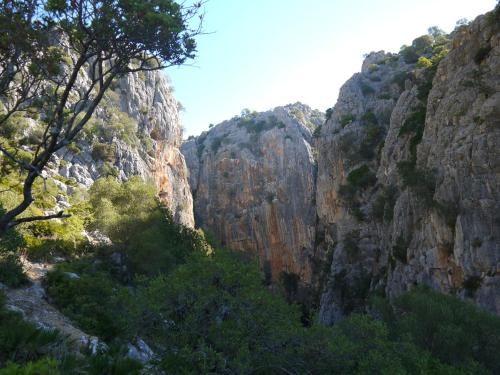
31, 302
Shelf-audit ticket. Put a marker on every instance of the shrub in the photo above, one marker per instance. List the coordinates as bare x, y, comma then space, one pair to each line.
346, 119
366, 89
383, 206
104, 152
216, 143
401, 77
471, 284
372, 68
21, 341
424, 62
361, 177
369, 118
422, 182
74, 148
410, 55
455, 332
317, 131
328, 113
414, 123
400, 249
11, 270
94, 300
109, 170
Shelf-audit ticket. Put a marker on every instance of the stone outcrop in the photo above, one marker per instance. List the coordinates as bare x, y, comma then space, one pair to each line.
424, 208
407, 186
253, 183
137, 130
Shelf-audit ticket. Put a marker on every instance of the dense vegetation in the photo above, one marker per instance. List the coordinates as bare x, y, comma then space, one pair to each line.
203, 309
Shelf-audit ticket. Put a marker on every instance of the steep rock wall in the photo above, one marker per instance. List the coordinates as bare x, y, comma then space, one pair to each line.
149, 146
425, 210
253, 182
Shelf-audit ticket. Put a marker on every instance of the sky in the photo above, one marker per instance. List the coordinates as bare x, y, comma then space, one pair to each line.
259, 54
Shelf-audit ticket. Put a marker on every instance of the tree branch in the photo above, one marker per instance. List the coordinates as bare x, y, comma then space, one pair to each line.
29, 219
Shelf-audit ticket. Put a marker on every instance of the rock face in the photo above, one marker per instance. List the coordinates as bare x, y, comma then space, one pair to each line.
407, 187
137, 131
253, 182
423, 208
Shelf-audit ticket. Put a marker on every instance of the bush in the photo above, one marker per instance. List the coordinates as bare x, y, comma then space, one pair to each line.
401, 77
424, 62
328, 113
366, 89
415, 122
455, 332
11, 270
422, 182
400, 249
361, 177
369, 118
21, 341
346, 119
383, 206
104, 152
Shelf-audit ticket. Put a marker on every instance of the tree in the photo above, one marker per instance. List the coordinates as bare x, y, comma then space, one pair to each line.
49, 44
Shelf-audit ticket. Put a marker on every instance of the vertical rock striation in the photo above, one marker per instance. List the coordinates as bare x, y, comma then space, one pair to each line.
424, 208
136, 131
253, 182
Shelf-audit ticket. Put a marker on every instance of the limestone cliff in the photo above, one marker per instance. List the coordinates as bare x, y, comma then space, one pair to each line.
136, 131
420, 206
407, 186
253, 182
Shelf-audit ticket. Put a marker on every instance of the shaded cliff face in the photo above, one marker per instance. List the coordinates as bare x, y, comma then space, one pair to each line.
419, 204
253, 182
136, 131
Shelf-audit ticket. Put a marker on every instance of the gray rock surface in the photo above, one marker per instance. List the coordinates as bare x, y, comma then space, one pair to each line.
148, 146
444, 231
253, 182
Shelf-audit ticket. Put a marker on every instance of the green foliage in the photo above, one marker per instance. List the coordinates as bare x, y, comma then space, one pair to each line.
107, 169
114, 124
383, 206
94, 300
346, 119
369, 118
216, 143
400, 249
328, 113
424, 62
361, 177
11, 270
21, 341
317, 131
366, 89
401, 77
455, 332
422, 182
104, 152
44, 366
372, 68
414, 123
131, 216
471, 284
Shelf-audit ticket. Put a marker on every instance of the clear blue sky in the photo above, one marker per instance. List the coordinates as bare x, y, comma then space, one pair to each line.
266, 53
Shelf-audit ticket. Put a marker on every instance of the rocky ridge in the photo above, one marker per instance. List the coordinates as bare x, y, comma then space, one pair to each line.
407, 183
253, 182
136, 131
